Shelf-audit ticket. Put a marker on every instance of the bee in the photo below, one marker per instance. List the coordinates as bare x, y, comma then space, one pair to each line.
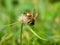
28, 18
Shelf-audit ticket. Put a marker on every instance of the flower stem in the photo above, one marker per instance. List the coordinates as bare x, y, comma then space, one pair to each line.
21, 33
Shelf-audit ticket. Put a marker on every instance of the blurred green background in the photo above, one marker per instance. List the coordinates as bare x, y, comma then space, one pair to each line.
46, 30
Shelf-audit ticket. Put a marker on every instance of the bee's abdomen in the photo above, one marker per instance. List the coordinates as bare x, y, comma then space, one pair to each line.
31, 22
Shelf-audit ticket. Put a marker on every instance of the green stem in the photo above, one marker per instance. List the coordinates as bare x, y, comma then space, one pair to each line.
21, 33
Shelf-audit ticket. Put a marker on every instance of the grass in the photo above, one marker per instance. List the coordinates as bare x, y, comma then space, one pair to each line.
45, 31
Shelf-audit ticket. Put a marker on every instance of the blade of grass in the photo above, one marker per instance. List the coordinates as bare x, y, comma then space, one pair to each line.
6, 37
4, 26
35, 33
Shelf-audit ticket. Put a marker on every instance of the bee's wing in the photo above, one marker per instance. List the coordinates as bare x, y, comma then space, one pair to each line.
35, 14
34, 11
